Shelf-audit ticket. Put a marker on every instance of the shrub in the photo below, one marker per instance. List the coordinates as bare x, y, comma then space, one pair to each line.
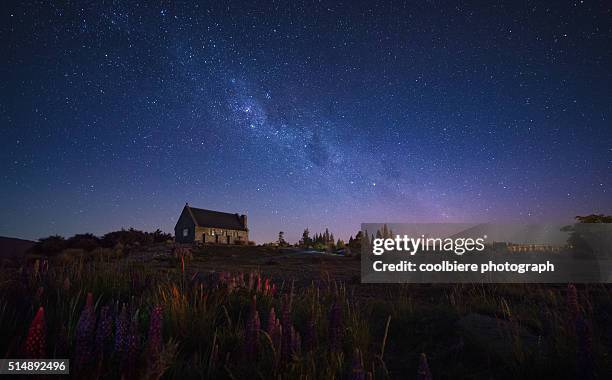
87, 242
50, 245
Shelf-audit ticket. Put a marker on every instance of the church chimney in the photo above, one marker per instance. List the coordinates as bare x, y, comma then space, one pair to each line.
243, 220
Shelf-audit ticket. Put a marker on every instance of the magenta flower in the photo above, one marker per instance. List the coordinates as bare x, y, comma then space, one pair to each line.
36, 341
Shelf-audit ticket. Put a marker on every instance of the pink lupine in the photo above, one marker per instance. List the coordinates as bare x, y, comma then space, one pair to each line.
121, 329
104, 331
266, 287
85, 332
155, 331
270, 327
35, 344
423, 373
335, 327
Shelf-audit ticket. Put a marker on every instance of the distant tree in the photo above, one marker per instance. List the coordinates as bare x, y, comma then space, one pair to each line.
87, 242
594, 218
340, 244
355, 243
306, 238
385, 232
281, 238
160, 236
50, 245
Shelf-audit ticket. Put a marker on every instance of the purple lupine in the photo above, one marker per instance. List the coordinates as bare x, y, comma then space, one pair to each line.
310, 335
85, 333
335, 327
252, 331
286, 326
584, 352
357, 371
423, 373
104, 332
155, 331
121, 329
131, 352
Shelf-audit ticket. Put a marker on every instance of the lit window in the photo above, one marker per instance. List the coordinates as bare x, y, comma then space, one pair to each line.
185, 232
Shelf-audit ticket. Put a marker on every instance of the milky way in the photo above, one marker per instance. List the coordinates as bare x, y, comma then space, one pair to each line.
302, 114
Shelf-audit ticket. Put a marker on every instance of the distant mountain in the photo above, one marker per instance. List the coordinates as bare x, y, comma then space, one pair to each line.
13, 246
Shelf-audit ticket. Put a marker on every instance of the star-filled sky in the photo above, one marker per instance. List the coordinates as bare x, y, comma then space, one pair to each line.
302, 114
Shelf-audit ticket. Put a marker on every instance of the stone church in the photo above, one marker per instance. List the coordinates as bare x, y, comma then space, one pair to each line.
207, 226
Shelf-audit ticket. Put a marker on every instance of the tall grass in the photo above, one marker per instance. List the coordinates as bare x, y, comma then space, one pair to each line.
116, 318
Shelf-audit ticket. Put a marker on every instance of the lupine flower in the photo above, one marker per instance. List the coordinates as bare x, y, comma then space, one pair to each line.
252, 330
423, 373
35, 345
85, 332
271, 326
572, 302
584, 350
121, 329
357, 372
155, 331
266, 287
130, 356
286, 326
335, 327
104, 331
310, 335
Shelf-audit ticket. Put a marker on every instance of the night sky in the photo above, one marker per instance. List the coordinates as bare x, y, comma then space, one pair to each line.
302, 114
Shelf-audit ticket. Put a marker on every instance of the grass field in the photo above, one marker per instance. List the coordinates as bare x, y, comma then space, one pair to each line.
253, 312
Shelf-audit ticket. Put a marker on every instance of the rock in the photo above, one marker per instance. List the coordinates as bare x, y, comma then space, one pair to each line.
498, 336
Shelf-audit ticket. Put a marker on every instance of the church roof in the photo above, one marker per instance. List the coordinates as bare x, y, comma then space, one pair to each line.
209, 218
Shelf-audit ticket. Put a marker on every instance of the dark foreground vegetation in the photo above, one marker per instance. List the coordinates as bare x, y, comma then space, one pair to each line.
223, 312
